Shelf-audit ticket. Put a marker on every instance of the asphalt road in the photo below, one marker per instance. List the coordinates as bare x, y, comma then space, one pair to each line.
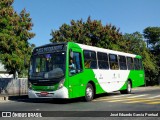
143, 99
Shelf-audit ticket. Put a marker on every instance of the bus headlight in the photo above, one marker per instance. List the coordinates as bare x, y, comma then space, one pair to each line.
61, 83
29, 85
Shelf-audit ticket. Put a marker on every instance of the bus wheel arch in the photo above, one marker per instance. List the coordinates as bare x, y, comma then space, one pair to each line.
89, 91
93, 84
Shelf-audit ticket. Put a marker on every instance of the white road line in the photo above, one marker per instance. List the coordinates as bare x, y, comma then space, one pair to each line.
137, 101
117, 99
112, 98
154, 96
121, 95
137, 96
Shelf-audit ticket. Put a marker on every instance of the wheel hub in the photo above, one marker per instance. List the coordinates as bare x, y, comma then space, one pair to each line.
89, 92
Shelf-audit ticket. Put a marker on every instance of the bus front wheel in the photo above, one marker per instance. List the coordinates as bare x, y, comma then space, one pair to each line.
129, 88
89, 93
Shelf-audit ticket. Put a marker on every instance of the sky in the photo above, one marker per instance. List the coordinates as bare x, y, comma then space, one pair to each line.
128, 15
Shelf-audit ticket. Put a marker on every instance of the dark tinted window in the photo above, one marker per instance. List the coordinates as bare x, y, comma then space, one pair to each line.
102, 60
136, 64
113, 61
122, 62
76, 65
90, 59
130, 63
77, 59
140, 64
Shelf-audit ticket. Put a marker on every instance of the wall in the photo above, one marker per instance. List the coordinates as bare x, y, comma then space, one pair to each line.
10, 86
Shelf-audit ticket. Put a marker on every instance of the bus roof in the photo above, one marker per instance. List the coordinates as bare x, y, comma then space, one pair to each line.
87, 47
93, 48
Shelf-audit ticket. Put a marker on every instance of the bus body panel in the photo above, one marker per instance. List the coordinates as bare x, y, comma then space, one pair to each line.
60, 93
111, 80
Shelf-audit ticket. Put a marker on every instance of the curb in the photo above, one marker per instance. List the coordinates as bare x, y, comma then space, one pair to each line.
7, 98
3, 98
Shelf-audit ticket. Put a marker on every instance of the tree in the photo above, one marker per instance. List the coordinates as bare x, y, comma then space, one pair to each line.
91, 32
14, 35
152, 35
135, 44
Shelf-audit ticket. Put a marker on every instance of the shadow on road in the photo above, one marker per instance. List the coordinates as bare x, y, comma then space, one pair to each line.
56, 100
109, 94
44, 100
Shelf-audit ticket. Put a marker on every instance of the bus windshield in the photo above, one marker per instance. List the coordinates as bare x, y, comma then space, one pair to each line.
47, 66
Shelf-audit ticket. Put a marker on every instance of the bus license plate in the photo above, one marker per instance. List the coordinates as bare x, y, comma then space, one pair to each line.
44, 93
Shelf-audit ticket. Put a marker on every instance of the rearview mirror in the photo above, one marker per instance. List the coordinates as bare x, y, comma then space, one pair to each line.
71, 53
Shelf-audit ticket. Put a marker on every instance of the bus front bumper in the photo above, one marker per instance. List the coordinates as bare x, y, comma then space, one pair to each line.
61, 93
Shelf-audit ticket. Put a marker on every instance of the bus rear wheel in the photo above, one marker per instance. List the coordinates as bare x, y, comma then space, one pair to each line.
128, 90
89, 93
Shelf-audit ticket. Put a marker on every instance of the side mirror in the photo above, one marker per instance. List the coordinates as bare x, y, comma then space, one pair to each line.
71, 53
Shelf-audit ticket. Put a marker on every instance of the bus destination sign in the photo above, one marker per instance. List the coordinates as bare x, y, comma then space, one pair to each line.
48, 49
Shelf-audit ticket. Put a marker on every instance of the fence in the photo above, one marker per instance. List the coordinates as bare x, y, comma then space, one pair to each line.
10, 86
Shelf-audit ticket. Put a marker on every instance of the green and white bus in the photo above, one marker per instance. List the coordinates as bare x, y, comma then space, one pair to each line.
94, 71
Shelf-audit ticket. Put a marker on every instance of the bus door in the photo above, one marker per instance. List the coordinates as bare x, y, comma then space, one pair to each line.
76, 86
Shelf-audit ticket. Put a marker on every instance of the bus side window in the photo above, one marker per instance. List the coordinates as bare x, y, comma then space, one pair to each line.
102, 60
87, 63
76, 63
136, 64
140, 64
113, 62
130, 63
122, 62
90, 60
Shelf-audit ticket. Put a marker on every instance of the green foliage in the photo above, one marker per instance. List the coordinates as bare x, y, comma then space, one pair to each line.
91, 32
14, 36
152, 35
136, 45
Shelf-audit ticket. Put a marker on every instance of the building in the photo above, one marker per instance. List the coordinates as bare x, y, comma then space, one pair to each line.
4, 73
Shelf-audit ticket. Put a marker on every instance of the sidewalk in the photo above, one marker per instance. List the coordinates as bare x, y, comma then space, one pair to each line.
11, 97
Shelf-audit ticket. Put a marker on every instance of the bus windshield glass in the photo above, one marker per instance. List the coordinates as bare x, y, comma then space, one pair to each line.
47, 66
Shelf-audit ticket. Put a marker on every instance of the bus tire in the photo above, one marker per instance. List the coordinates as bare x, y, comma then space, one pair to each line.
89, 93
128, 90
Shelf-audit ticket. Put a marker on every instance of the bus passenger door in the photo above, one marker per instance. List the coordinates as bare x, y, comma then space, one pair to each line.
75, 74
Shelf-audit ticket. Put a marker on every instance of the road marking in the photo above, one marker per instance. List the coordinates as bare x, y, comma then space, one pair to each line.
123, 99
137, 101
144, 99
158, 102
121, 95
155, 96
115, 99
137, 96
